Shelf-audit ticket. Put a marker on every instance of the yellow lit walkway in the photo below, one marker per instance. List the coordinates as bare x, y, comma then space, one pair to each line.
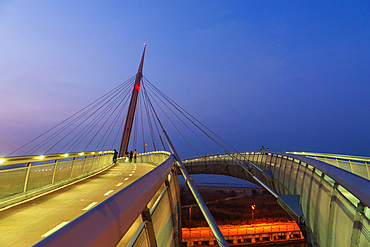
28, 223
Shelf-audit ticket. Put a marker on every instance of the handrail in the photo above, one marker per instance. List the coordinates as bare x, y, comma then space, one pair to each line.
46, 157
22, 177
356, 185
155, 152
105, 224
336, 156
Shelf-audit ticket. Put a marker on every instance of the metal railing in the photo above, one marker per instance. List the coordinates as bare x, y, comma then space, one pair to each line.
334, 202
145, 213
356, 164
27, 176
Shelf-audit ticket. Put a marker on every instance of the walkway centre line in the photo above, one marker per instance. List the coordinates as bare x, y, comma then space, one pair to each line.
55, 229
110, 191
130, 175
119, 184
90, 206
126, 179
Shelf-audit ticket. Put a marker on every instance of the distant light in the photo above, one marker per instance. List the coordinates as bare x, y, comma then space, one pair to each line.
81, 154
2, 161
93, 153
65, 155
253, 207
40, 157
100, 152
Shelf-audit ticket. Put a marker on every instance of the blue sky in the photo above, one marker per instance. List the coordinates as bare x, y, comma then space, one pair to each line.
290, 75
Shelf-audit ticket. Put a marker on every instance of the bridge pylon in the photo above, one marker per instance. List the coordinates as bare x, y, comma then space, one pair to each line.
131, 110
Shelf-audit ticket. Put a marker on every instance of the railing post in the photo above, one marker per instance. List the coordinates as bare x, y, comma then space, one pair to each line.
302, 187
54, 171
317, 205
177, 189
27, 177
309, 197
330, 226
368, 169
296, 178
84, 165
145, 215
281, 180
92, 163
290, 174
357, 225
72, 167
350, 163
170, 197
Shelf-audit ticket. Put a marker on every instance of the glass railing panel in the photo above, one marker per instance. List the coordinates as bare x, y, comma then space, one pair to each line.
343, 222
365, 233
12, 181
344, 165
162, 221
360, 169
277, 167
40, 176
322, 212
305, 188
299, 181
281, 176
331, 162
88, 165
287, 177
78, 167
293, 175
63, 170
273, 161
313, 199
142, 240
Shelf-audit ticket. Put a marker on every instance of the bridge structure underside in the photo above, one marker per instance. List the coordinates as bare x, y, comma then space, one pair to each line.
330, 204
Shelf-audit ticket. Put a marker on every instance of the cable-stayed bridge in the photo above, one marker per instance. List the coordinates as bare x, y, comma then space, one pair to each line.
71, 193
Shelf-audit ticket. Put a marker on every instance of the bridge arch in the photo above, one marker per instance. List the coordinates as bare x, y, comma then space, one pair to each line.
330, 205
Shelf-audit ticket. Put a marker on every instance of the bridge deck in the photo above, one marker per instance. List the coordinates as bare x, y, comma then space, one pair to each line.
28, 223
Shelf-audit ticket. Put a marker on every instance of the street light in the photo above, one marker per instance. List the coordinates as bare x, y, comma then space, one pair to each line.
253, 208
190, 220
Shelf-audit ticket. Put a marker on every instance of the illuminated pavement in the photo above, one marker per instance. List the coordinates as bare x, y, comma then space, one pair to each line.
28, 223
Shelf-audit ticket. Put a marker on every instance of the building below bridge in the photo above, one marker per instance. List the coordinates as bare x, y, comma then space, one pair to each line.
256, 234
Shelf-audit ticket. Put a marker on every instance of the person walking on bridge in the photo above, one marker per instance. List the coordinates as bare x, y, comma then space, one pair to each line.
115, 154
135, 156
131, 155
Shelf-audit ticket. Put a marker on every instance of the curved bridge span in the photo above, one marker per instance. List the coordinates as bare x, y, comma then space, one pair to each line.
330, 204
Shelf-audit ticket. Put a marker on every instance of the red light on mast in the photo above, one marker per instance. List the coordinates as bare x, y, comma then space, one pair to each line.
144, 44
137, 87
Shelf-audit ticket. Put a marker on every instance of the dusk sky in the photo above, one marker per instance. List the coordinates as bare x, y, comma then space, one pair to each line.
290, 75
